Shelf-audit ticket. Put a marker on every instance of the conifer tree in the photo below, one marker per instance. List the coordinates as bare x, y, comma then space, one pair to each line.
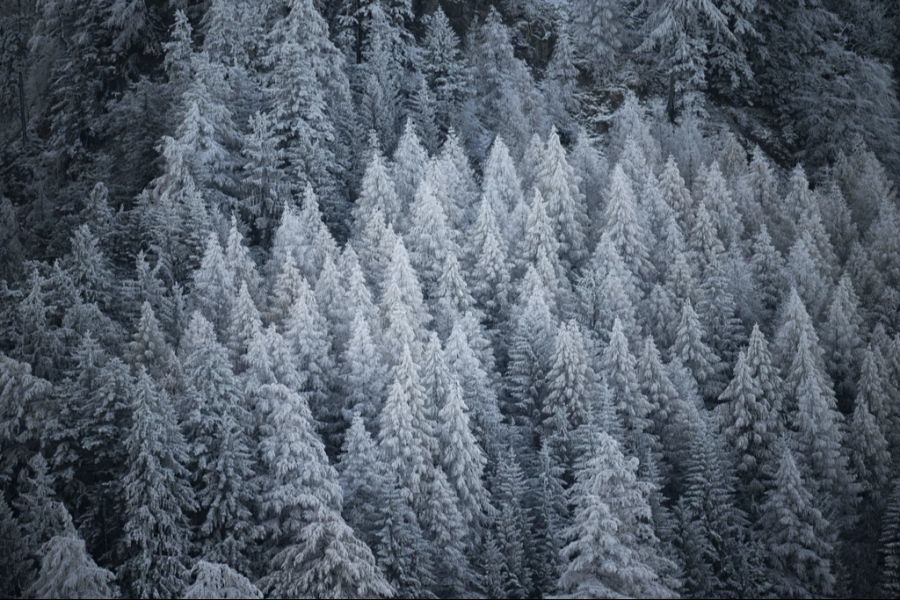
606, 553
158, 496
870, 460
501, 187
307, 90
540, 246
511, 526
819, 436
475, 377
41, 516
453, 297
14, 558
405, 435
429, 239
150, 350
263, 177
622, 227
444, 69
719, 558
363, 380
890, 544
68, 571
750, 424
217, 580
569, 393
841, 339
221, 460
558, 184
799, 561
407, 171
617, 366
462, 459
377, 193
694, 353
213, 287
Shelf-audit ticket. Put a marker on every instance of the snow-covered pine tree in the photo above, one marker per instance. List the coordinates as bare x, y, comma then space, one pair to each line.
695, 354
799, 561
606, 554
617, 367
511, 526
570, 395
221, 459
217, 580
566, 209
68, 571
158, 496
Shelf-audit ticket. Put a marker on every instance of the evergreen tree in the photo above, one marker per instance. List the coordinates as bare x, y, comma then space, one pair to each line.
377, 193
558, 184
220, 455
622, 226
617, 366
501, 187
890, 544
429, 239
362, 375
511, 526
158, 496
750, 424
819, 435
606, 553
307, 90
405, 435
870, 460
217, 580
718, 557
799, 561
364, 482
569, 393
841, 339
694, 353
263, 178
407, 171
462, 458
444, 70
68, 571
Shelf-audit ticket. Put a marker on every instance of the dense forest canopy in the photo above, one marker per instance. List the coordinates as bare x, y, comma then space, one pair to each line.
446, 298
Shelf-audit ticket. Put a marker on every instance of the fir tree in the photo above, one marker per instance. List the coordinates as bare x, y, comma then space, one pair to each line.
158, 497
565, 203
890, 544
364, 482
622, 227
462, 458
404, 435
617, 366
220, 456
511, 526
605, 553
694, 353
569, 392
217, 580
68, 571
799, 562
750, 424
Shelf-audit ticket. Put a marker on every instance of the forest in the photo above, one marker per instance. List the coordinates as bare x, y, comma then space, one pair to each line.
449, 299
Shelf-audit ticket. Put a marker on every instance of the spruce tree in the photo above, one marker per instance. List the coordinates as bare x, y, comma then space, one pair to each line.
558, 184
217, 580
605, 553
158, 496
68, 571
799, 560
